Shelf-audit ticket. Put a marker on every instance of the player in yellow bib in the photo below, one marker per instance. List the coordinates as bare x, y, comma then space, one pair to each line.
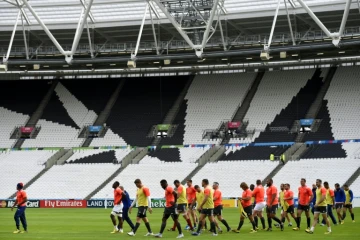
206, 208
143, 201
348, 202
199, 198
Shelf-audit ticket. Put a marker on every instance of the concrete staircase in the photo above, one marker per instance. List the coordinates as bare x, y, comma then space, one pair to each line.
103, 116
353, 177
273, 173
38, 112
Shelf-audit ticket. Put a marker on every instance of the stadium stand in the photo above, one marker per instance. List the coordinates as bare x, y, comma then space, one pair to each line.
324, 151
229, 174
98, 156
356, 185
151, 170
254, 153
70, 181
141, 104
343, 103
212, 99
21, 166
9, 120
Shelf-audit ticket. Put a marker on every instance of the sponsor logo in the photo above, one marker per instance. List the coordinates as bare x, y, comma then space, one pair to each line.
63, 203
29, 204
3, 204
157, 203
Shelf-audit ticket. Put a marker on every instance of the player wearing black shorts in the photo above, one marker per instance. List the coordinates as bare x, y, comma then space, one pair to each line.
245, 201
340, 199
348, 202
305, 197
218, 207
170, 209
272, 204
289, 202
143, 201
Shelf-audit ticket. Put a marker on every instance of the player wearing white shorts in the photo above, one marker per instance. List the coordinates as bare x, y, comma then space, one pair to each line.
259, 194
118, 207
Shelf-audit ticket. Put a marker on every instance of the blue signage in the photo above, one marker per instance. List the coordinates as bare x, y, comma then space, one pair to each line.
306, 122
95, 129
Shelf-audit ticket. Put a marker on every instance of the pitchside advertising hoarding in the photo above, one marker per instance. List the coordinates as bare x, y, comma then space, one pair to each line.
10, 203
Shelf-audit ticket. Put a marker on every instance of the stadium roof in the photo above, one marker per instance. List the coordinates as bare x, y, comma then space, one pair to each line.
113, 29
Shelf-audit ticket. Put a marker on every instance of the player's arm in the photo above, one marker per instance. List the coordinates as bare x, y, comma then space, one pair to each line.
175, 198
133, 204
342, 195
204, 201
333, 198
351, 196
15, 203
290, 197
123, 196
311, 197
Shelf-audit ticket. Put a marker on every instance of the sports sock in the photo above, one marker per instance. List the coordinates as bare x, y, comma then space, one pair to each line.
269, 222
225, 223
344, 216
213, 227
189, 223
283, 220
240, 224
137, 225
262, 219
298, 222
147, 225
277, 220
163, 225
308, 221
352, 216
174, 226
199, 228
253, 224
179, 228
256, 220
312, 229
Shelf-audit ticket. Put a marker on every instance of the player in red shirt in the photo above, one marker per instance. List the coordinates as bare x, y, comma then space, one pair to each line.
118, 207
289, 202
218, 207
191, 195
305, 197
247, 206
272, 204
20, 202
259, 195
170, 209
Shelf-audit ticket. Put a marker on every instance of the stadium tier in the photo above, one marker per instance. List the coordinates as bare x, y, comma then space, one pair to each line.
98, 156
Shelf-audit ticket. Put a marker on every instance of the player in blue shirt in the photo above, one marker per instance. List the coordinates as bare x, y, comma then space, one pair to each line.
127, 203
340, 199
314, 198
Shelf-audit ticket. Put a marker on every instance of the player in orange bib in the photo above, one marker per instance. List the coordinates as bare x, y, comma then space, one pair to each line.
20, 202
170, 209
247, 206
191, 195
272, 204
289, 202
218, 207
118, 207
259, 195
305, 197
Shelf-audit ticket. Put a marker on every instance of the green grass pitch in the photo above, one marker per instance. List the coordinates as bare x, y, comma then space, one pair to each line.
88, 223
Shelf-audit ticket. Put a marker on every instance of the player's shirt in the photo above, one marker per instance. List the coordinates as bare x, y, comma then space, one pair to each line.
20, 196
304, 195
169, 197
199, 197
182, 195
329, 196
117, 196
209, 204
218, 196
288, 194
191, 194
320, 192
348, 196
281, 198
259, 194
247, 193
141, 195
269, 192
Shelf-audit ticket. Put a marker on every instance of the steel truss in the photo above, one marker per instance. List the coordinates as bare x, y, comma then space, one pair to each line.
193, 19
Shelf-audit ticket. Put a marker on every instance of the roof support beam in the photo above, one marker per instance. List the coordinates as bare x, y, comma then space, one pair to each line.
267, 47
289, 21
133, 56
6, 58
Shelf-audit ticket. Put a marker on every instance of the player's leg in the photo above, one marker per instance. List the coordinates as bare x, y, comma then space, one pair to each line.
175, 217
126, 218
17, 219
262, 219
344, 211
331, 214
223, 221
201, 223
165, 217
307, 214
23, 220
327, 221
316, 217
113, 220
121, 222
298, 219
212, 223
185, 214
338, 212
272, 215
351, 213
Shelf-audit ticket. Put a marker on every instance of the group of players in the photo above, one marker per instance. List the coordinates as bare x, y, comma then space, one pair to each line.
207, 202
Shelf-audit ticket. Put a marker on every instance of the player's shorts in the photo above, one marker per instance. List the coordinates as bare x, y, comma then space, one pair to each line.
171, 211
305, 208
320, 209
181, 207
142, 212
253, 205
248, 210
339, 205
272, 209
207, 211
348, 205
193, 207
290, 209
218, 210
259, 206
117, 210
